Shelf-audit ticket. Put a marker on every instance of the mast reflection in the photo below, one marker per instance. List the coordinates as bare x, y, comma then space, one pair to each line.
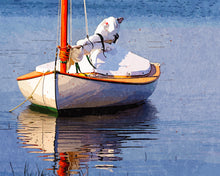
94, 135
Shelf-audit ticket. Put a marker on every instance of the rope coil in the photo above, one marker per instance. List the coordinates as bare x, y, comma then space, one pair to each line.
64, 55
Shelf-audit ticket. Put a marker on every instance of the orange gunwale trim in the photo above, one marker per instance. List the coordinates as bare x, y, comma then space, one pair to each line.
31, 75
143, 79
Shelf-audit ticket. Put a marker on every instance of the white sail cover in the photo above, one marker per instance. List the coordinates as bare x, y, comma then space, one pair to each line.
48, 67
115, 62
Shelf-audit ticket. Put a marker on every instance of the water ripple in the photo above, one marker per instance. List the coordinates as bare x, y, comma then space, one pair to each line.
84, 138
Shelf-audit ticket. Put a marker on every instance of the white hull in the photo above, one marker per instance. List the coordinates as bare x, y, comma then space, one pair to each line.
71, 91
86, 93
44, 95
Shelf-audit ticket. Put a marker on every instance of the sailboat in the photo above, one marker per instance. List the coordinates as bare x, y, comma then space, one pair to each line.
59, 89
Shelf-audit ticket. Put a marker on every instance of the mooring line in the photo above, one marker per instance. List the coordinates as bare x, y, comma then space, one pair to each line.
29, 96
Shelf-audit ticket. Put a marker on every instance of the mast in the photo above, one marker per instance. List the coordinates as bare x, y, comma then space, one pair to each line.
64, 54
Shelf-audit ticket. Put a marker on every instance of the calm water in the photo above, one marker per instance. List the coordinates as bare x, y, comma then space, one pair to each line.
176, 132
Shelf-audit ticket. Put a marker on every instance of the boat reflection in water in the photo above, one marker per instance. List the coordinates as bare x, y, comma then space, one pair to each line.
89, 139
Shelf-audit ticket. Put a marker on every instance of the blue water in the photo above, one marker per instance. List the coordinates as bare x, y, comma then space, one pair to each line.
176, 132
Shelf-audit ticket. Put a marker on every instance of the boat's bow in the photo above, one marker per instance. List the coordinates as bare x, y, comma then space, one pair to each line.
39, 88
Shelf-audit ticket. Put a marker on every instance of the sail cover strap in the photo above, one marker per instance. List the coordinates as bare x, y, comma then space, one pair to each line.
102, 41
77, 68
90, 62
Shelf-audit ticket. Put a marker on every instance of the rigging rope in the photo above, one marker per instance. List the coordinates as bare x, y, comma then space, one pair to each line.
29, 97
58, 37
71, 30
86, 22
58, 24
87, 33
